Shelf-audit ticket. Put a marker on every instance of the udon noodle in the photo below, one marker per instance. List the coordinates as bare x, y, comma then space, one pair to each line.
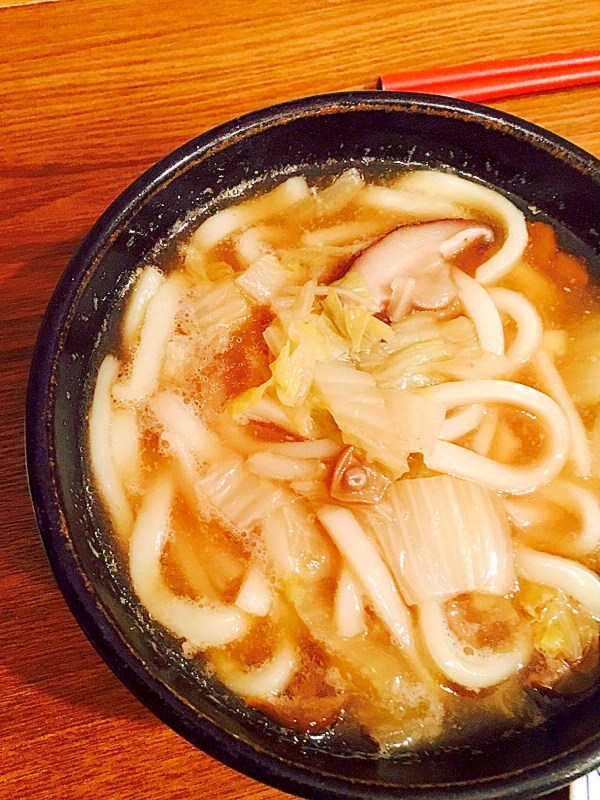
349, 442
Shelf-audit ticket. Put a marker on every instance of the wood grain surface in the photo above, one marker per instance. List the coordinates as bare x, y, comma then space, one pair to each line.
92, 92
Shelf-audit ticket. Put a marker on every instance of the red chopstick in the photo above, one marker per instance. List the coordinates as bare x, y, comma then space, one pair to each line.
493, 80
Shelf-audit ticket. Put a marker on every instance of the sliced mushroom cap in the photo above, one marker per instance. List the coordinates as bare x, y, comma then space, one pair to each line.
356, 481
418, 253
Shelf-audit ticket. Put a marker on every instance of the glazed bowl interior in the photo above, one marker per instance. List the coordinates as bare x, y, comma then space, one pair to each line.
370, 130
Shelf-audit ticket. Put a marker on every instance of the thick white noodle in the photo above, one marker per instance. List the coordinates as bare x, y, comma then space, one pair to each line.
529, 324
264, 682
461, 663
313, 448
253, 244
125, 445
201, 626
178, 419
360, 232
156, 332
462, 422
473, 196
581, 502
417, 206
370, 569
105, 472
349, 608
146, 286
463, 463
482, 311
184, 459
277, 544
587, 507
189, 441
225, 222
484, 435
572, 578
523, 512
552, 383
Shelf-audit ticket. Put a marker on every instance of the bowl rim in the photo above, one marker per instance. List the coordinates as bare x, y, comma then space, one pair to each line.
79, 592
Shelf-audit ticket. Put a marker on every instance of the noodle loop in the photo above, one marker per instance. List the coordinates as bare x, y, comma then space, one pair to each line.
464, 463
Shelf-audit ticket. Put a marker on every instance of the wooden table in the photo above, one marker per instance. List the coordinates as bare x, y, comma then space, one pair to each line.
91, 93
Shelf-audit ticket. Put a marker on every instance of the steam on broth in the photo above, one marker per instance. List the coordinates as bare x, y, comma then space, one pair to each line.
350, 445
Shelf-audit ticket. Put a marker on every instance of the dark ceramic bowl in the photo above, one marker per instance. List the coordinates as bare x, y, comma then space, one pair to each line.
538, 170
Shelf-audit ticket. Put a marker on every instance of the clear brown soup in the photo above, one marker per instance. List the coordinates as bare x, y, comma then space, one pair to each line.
296, 629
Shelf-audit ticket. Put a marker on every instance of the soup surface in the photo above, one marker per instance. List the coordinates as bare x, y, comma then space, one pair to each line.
350, 445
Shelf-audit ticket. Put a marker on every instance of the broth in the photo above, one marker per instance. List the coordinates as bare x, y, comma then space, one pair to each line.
350, 444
